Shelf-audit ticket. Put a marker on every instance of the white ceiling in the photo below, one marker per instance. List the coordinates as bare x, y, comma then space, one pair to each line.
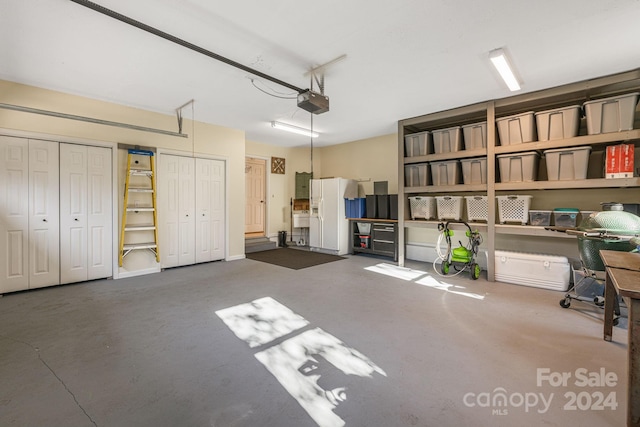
403, 57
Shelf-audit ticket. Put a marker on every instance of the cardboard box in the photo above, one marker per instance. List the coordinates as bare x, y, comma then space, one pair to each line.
620, 161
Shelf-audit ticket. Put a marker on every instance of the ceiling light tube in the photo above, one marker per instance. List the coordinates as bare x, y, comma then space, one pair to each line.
499, 60
294, 129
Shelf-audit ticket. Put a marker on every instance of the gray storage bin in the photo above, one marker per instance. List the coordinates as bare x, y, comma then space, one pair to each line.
445, 173
417, 144
614, 114
521, 167
516, 129
475, 136
474, 171
447, 140
559, 123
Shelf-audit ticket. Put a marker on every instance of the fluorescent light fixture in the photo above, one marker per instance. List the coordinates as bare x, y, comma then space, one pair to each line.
294, 129
499, 60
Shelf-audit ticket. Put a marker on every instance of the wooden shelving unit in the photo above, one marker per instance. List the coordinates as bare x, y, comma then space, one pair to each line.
489, 111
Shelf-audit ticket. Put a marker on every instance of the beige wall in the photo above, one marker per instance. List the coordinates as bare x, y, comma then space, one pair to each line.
203, 138
367, 160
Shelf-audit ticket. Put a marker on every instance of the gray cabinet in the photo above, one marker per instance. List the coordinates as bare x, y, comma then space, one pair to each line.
374, 236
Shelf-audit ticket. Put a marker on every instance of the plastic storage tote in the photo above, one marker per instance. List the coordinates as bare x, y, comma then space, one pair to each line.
355, 208
447, 140
477, 208
416, 175
422, 207
475, 136
612, 114
521, 167
417, 144
513, 208
537, 270
565, 217
567, 163
558, 124
474, 171
445, 173
449, 207
539, 218
516, 129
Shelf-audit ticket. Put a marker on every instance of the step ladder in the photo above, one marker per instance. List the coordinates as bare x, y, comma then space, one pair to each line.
134, 169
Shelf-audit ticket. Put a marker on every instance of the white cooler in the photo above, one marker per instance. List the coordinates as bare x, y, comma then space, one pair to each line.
537, 270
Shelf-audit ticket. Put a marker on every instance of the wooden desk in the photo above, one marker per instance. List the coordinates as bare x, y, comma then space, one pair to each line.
623, 277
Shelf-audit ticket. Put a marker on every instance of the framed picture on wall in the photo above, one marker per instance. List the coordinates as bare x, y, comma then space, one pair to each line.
277, 165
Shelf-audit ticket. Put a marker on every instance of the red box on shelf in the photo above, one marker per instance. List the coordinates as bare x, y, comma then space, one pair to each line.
620, 161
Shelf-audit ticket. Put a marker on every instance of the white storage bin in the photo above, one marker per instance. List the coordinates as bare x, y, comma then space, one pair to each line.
449, 207
417, 144
513, 208
447, 140
537, 270
477, 208
422, 207
613, 114
516, 129
567, 163
445, 173
416, 175
559, 123
475, 136
521, 167
474, 171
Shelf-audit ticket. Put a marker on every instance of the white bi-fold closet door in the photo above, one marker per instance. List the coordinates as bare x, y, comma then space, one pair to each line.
86, 236
191, 212
55, 213
29, 214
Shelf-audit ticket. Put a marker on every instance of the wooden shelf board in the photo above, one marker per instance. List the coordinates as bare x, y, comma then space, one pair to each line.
602, 138
563, 185
530, 230
460, 188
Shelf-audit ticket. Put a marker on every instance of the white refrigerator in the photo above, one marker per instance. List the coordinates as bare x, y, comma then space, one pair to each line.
328, 226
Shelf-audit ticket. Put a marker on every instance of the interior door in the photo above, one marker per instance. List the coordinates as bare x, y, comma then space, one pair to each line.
330, 209
99, 213
14, 214
73, 213
255, 170
210, 210
44, 214
187, 214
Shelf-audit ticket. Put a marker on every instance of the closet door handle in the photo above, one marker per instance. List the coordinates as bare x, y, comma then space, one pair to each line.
44, 220
75, 219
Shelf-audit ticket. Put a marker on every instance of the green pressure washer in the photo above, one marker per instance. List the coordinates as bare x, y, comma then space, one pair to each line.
462, 257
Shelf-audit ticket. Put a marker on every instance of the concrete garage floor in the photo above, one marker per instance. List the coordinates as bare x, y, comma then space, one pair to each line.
427, 351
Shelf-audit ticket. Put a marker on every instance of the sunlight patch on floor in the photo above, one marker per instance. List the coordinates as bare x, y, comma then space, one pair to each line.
316, 368
397, 272
422, 278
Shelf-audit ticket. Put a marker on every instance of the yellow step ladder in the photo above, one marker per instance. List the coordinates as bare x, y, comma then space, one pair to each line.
133, 157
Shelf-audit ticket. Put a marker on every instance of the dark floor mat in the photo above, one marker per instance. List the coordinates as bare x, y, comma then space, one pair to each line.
295, 259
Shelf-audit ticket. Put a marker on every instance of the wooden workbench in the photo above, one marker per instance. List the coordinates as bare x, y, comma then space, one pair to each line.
623, 277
